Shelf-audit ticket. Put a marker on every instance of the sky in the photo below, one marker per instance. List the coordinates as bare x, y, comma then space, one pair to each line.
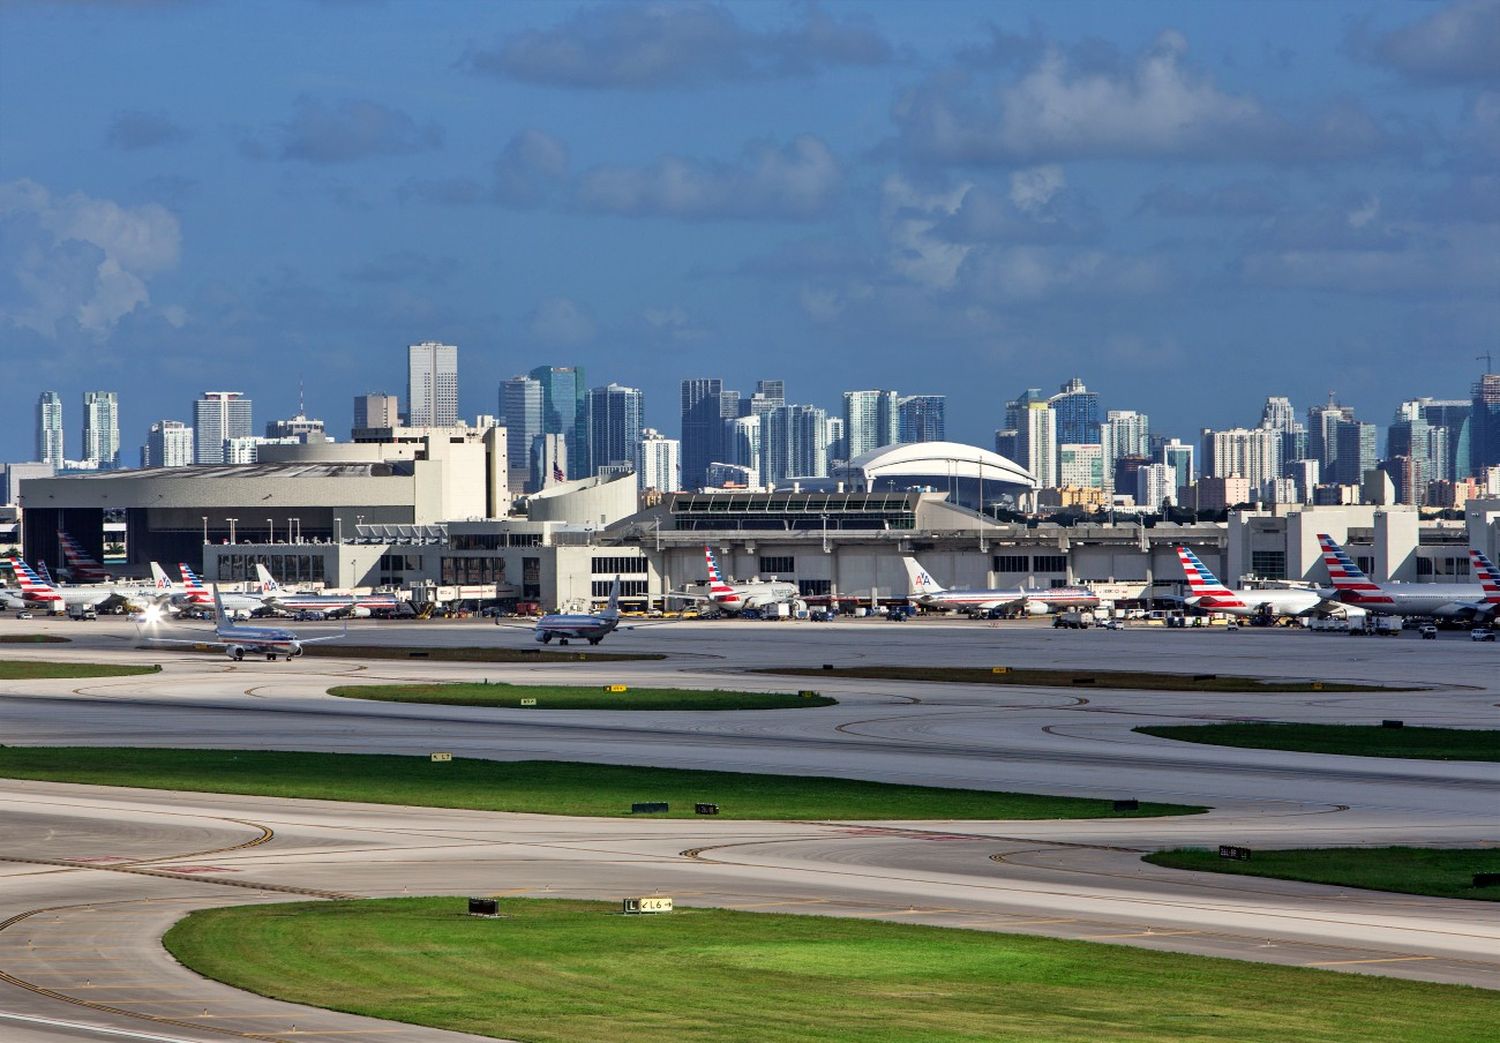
1191, 205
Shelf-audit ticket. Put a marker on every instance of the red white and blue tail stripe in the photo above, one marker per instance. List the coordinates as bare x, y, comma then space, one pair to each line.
718, 590
33, 587
1204, 586
83, 566
1489, 577
1353, 586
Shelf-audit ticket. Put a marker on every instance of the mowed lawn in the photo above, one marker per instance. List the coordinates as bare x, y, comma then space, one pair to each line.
541, 787
1441, 872
563, 971
36, 669
579, 697
1443, 744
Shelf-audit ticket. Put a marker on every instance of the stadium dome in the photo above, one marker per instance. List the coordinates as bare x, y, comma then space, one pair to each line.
971, 476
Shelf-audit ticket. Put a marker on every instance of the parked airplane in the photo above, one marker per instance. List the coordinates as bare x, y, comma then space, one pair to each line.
1034, 602
1467, 601
38, 593
191, 593
734, 598
358, 605
1206, 592
82, 566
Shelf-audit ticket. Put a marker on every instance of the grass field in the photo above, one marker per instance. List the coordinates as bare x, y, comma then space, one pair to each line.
1440, 872
1141, 680
566, 971
470, 654
1440, 744
543, 787
33, 639
32, 669
577, 697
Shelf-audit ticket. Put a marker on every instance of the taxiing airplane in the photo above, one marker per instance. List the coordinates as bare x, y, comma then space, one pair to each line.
734, 598
1465, 601
1206, 592
272, 641
592, 627
357, 605
928, 592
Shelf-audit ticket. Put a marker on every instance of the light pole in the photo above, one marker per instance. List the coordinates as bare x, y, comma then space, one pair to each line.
205, 530
338, 530
270, 530
231, 522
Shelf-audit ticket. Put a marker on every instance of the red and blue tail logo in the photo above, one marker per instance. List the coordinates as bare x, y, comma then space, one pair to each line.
33, 587
1348, 578
193, 586
1489, 577
1204, 585
717, 588
85, 568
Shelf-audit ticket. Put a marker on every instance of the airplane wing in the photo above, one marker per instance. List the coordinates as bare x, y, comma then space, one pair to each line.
326, 637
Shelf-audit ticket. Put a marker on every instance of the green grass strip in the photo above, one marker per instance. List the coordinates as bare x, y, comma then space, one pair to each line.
1439, 744
543, 787
559, 971
1150, 681
577, 697
1440, 872
35, 669
33, 639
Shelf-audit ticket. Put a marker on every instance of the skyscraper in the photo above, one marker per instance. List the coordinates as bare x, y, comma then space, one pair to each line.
565, 411
168, 444
1178, 456
922, 418
615, 413
49, 428
742, 442
658, 462
1322, 424
1250, 453
101, 428
1077, 410
1124, 434
521, 413
432, 384
870, 421
1036, 443
1080, 465
217, 417
1484, 424
705, 405
1355, 452
794, 444
1453, 416
376, 410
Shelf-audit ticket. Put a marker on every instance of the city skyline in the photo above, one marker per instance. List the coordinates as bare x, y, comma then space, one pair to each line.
812, 191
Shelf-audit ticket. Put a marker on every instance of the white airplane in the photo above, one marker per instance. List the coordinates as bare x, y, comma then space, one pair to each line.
38, 593
927, 591
1467, 601
358, 605
238, 639
734, 598
592, 627
1206, 592
191, 593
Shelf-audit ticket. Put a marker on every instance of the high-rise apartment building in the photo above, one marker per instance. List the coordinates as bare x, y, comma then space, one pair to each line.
870, 421
521, 413
741, 441
1322, 427
217, 417
705, 406
1355, 452
1279, 414
169, 443
101, 428
1125, 433
565, 411
1180, 457
432, 384
49, 428
1484, 424
1155, 486
1250, 453
1080, 465
615, 420
1077, 410
376, 410
794, 442
922, 418
658, 462
1036, 443
1453, 417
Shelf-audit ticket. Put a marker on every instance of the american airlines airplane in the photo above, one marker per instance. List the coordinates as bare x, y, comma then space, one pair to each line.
1206, 592
734, 598
192, 593
82, 567
592, 627
1467, 601
1034, 601
38, 593
357, 605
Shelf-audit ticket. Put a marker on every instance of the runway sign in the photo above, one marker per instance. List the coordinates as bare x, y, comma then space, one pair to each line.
649, 904
808, 693
1239, 854
999, 669
706, 809
484, 907
441, 758
1393, 724
528, 702
649, 807
616, 688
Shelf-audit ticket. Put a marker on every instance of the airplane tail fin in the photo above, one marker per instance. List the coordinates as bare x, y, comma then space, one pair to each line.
43, 574
1489, 577
612, 610
1347, 577
28, 579
221, 618
268, 584
1204, 588
159, 578
716, 584
920, 579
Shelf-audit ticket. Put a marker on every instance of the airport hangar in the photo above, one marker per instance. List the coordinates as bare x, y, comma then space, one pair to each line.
432, 507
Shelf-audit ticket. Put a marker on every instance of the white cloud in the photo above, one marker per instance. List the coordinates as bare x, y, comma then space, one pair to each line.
911, 217
78, 259
1031, 189
1458, 42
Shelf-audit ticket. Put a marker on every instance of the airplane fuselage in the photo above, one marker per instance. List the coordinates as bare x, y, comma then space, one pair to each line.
571, 626
1255, 602
1438, 600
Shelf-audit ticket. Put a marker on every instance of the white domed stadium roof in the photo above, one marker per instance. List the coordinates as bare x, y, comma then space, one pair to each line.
941, 460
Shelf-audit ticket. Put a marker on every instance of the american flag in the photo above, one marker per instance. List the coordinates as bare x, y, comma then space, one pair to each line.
557, 472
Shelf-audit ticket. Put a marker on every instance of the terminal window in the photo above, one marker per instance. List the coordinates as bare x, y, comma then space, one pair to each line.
1268, 564
1010, 563
777, 565
629, 588
814, 587
1049, 562
1366, 565
473, 570
612, 566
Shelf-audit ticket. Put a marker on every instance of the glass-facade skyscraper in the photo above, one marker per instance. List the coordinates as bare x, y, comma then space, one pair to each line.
101, 428
565, 411
49, 428
870, 421
1077, 410
521, 413
922, 418
616, 414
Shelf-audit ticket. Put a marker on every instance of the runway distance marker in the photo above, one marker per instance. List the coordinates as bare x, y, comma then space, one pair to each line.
648, 904
528, 702
441, 758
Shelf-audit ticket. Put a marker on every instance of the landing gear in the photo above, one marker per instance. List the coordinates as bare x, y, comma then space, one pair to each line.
593, 640
562, 640
546, 639
239, 655
270, 657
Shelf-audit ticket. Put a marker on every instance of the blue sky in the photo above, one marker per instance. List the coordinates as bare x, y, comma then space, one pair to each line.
1191, 205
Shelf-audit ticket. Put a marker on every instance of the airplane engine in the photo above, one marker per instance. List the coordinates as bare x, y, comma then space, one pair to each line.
359, 612
294, 650
234, 652
1036, 608
543, 636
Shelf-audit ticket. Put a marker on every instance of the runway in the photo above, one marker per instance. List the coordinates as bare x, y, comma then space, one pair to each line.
154, 855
